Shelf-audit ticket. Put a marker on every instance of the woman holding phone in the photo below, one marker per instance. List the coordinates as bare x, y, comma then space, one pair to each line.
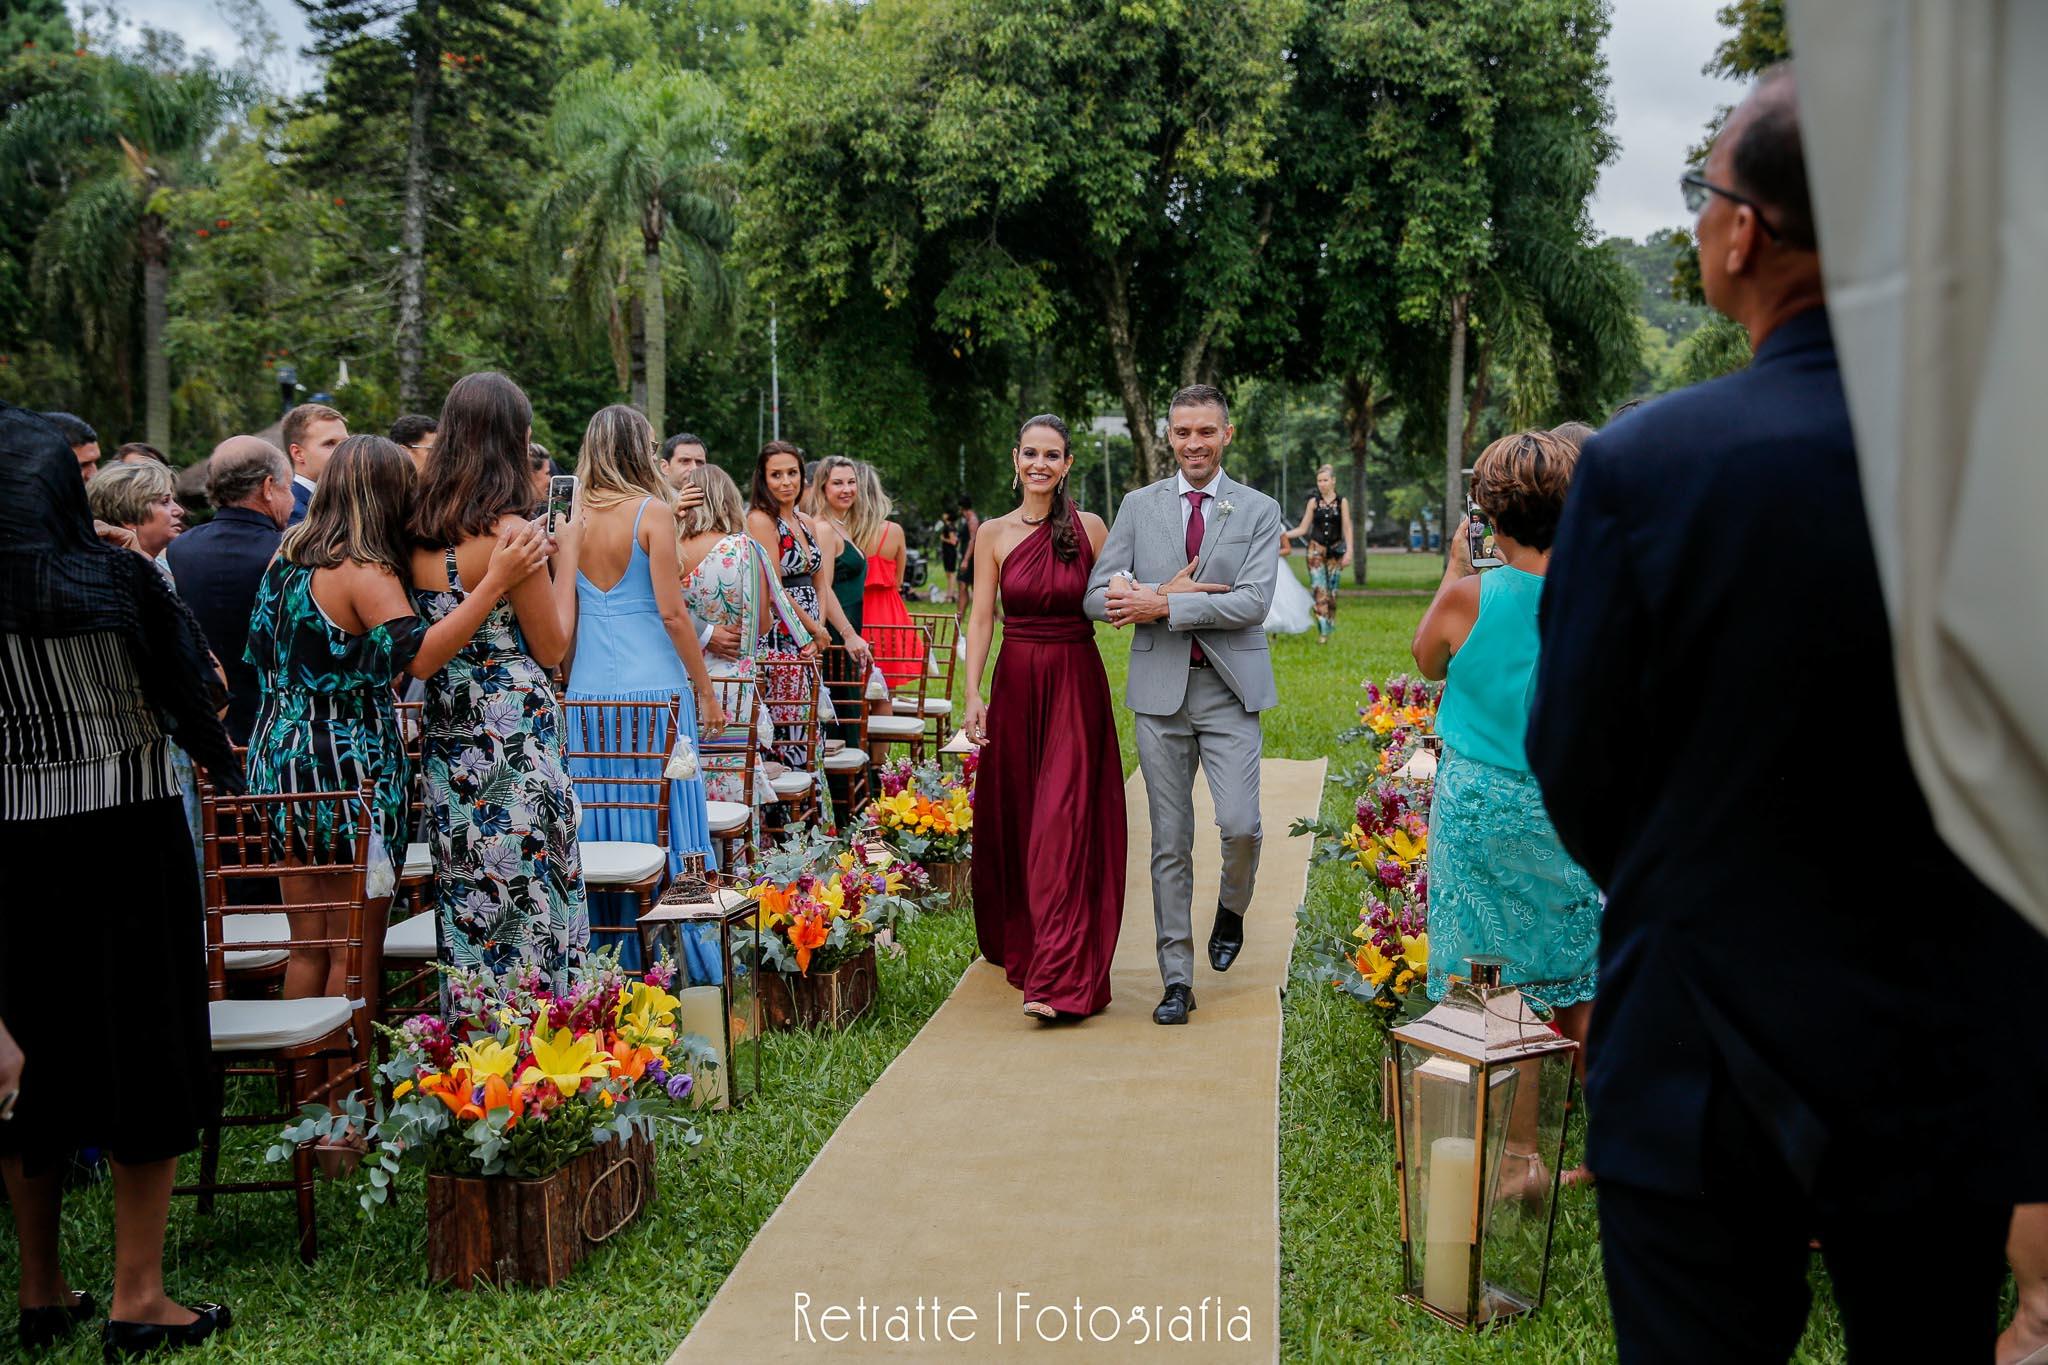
508, 872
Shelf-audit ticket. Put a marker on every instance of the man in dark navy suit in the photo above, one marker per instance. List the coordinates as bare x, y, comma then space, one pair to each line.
219, 565
311, 432
1812, 1020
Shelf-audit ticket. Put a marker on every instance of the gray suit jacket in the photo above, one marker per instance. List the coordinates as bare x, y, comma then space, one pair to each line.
1240, 547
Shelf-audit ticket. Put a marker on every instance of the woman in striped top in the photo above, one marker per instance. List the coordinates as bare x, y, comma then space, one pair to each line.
100, 667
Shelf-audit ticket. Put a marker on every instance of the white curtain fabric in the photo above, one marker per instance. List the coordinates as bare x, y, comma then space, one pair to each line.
1926, 128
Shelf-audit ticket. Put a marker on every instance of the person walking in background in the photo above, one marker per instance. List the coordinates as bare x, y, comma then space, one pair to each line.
1049, 797
1718, 737
502, 812
332, 627
94, 634
415, 433
311, 432
83, 440
633, 641
219, 564
949, 553
963, 582
886, 618
1326, 521
1500, 883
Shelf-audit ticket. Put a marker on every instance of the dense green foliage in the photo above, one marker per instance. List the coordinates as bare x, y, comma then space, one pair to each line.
958, 211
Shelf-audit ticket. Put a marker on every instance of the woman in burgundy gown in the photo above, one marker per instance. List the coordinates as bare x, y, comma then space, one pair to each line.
1049, 797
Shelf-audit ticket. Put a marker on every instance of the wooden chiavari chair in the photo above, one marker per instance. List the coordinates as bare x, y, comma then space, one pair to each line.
846, 767
792, 688
937, 706
728, 762
248, 841
903, 653
618, 756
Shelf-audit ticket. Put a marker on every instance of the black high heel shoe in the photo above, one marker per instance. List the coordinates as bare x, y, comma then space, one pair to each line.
41, 1328
119, 1340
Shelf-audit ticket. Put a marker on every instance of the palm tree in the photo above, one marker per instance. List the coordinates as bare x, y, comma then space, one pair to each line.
640, 153
117, 149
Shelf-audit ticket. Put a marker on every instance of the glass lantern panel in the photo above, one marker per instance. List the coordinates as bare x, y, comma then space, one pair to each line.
1527, 1132
743, 1008
1438, 1114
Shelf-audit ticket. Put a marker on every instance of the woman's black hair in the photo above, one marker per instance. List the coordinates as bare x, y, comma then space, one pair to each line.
759, 497
1065, 544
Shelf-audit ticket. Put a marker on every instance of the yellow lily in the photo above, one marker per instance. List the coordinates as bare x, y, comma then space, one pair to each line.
1404, 847
488, 1058
1415, 949
1374, 965
566, 1060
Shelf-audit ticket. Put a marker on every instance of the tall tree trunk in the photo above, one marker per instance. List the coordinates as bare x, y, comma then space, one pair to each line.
636, 351
1454, 426
156, 366
1361, 408
1112, 282
654, 311
412, 233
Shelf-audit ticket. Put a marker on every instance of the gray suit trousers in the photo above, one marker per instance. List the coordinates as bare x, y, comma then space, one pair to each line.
1211, 729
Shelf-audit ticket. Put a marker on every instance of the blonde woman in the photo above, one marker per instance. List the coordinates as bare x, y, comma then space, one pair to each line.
632, 640
142, 500
1326, 521
885, 618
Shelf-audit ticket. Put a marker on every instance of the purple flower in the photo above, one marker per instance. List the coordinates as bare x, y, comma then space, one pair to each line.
656, 1072
661, 973
679, 1085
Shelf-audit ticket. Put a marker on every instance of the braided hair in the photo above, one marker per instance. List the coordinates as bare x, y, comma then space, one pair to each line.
1065, 545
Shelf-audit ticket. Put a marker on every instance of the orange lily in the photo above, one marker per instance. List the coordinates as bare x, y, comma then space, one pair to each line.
807, 932
631, 1062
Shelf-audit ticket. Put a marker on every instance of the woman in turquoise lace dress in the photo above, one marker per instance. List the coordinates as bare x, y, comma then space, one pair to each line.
331, 629
502, 813
1500, 883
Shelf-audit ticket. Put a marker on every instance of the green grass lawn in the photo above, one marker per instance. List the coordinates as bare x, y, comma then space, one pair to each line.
366, 1299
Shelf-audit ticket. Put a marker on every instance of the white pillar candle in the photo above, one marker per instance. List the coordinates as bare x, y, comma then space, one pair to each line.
703, 1013
1447, 1239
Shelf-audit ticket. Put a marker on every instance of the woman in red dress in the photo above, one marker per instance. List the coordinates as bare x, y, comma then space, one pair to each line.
1049, 797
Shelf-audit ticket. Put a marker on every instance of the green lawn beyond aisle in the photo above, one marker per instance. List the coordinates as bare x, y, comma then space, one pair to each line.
366, 1299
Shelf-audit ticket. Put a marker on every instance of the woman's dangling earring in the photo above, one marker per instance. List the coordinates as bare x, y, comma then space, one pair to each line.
1016, 479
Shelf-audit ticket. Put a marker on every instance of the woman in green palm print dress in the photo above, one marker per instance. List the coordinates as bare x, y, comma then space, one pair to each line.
502, 814
331, 627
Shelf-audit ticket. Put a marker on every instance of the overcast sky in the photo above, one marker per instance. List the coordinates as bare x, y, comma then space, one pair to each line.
1654, 56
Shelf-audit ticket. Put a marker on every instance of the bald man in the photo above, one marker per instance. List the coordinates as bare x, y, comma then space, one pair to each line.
218, 565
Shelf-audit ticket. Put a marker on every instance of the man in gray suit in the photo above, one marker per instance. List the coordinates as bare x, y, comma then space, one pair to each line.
1190, 564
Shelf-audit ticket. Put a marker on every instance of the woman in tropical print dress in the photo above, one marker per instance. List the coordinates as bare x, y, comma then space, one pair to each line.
331, 628
502, 813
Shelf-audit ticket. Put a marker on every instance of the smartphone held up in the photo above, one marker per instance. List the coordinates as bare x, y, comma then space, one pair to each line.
561, 499
1485, 554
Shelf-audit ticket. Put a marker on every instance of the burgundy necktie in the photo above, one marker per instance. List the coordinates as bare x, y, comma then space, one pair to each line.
1195, 529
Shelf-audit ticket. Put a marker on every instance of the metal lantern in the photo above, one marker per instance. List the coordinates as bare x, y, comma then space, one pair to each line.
726, 1013
1484, 1089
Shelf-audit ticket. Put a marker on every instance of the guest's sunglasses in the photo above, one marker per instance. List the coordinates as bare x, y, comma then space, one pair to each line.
1696, 187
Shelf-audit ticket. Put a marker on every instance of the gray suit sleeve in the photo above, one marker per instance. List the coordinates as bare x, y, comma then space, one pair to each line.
1118, 549
1250, 597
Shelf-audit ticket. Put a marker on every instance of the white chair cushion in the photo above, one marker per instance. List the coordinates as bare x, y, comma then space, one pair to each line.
937, 706
846, 761
792, 784
419, 861
613, 862
254, 1025
269, 928
896, 727
412, 937
727, 817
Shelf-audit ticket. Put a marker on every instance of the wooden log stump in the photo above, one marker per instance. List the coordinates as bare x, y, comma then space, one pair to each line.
500, 1231
834, 999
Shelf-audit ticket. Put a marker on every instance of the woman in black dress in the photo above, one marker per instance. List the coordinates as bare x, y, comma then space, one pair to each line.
1326, 521
101, 667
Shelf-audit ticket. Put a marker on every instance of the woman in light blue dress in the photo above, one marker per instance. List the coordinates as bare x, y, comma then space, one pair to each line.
1500, 883
634, 641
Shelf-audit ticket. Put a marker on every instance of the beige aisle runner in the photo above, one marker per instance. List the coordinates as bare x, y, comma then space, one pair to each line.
1000, 1171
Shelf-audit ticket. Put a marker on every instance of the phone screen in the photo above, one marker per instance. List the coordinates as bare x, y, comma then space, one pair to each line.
561, 498
1485, 554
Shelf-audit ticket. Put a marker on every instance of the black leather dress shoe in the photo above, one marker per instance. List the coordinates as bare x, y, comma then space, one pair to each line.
43, 1327
120, 1340
1226, 939
1176, 1007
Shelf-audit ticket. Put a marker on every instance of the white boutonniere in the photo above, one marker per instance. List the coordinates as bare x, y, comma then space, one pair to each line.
1225, 507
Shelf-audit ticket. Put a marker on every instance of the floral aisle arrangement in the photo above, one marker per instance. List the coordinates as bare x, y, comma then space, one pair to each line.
927, 814
1385, 959
823, 907
523, 1081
